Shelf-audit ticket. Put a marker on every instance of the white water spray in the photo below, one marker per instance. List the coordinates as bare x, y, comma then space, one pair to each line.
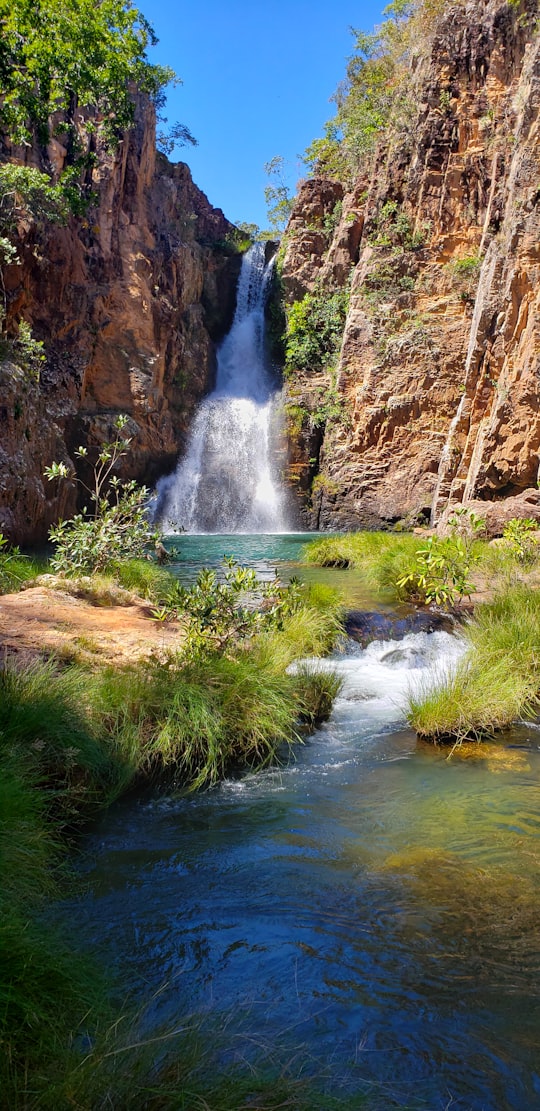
225, 481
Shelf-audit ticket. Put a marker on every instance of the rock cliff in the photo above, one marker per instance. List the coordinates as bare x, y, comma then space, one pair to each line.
438, 378
129, 302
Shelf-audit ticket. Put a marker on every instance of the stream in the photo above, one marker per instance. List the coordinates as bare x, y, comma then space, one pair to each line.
370, 900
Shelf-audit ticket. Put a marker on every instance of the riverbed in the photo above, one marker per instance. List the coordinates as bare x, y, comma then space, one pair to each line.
370, 900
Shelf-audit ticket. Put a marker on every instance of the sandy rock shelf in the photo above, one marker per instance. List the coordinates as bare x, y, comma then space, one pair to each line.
45, 620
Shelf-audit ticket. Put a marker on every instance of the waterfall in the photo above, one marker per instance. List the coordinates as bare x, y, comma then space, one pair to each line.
225, 481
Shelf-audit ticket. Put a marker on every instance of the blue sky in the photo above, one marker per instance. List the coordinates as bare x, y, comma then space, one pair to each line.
257, 79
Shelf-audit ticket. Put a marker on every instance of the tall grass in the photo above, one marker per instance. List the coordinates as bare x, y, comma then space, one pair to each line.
143, 577
382, 557
498, 681
17, 569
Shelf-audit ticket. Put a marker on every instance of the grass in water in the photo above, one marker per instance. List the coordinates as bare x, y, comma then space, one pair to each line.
382, 557
497, 682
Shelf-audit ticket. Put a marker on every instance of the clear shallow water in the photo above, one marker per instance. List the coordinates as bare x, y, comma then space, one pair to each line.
268, 553
371, 900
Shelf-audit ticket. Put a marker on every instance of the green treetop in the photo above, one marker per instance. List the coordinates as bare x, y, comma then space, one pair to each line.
58, 56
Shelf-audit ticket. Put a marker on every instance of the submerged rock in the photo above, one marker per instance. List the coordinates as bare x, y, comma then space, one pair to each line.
364, 626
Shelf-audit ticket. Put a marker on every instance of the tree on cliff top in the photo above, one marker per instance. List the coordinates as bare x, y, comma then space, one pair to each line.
58, 56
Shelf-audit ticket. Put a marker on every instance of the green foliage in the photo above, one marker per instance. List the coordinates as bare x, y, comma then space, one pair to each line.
86, 544
25, 191
394, 228
521, 537
27, 351
326, 157
315, 330
222, 612
466, 523
14, 567
472, 702
119, 526
65, 55
44, 713
177, 136
296, 417
142, 576
466, 267
366, 101
214, 608
252, 232
235, 242
277, 195
317, 691
440, 572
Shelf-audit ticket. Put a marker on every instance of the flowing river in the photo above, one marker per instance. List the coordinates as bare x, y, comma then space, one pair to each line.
369, 900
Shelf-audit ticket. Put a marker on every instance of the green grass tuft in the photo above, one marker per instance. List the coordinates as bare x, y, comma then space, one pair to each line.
497, 683
142, 577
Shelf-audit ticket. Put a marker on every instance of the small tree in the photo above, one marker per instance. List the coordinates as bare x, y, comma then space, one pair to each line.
117, 528
277, 195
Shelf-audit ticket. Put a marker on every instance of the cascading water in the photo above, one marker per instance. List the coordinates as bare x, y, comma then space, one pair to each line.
224, 483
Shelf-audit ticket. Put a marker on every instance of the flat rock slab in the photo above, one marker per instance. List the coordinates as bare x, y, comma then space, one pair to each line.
44, 621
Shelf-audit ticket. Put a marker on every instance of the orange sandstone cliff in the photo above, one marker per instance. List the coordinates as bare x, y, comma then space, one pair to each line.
437, 386
129, 303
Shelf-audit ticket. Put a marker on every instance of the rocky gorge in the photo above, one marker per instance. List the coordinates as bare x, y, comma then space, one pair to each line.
431, 251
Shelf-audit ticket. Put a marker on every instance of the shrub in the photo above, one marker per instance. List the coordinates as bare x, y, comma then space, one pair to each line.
467, 267
521, 537
440, 572
119, 527
314, 330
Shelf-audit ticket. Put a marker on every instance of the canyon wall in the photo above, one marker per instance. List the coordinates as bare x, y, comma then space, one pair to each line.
437, 388
129, 302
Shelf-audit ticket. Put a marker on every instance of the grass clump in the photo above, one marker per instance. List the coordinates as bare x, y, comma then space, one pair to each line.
46, 990
143, 577
382, 557
497, 682
44, 716
16, 568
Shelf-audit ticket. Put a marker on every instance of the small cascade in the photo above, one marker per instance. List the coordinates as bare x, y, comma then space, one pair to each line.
225, 481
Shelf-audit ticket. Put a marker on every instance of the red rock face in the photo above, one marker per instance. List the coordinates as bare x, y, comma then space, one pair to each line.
439, 372
129, 303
